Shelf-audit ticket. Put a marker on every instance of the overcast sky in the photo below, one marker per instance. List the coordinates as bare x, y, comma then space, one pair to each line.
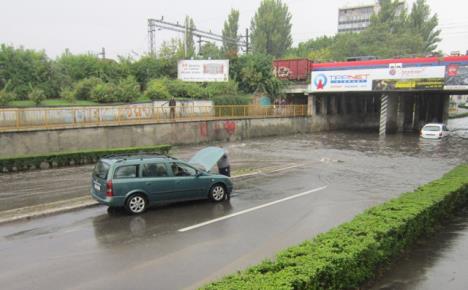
121, 25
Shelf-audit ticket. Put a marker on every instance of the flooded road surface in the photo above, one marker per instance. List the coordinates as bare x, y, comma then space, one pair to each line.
336, 176
439, 262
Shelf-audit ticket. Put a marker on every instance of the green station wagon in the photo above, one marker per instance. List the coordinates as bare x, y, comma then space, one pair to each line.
139, 181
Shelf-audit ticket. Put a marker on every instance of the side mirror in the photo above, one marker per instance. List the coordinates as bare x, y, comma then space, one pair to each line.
199, 173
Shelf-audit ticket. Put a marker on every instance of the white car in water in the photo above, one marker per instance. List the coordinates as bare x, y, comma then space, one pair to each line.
434, 131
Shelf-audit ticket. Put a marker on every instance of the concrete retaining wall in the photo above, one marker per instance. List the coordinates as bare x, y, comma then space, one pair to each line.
36, 142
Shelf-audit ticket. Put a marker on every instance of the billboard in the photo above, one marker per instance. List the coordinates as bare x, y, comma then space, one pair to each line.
405, 85
395, 77
456, 77
203, 70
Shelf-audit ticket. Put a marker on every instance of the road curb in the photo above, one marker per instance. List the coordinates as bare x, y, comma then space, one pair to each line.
30, 212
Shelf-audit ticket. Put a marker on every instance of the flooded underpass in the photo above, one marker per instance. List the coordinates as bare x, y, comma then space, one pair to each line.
334, 175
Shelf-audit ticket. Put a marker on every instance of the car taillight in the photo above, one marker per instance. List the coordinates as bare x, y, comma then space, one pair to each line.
109, 191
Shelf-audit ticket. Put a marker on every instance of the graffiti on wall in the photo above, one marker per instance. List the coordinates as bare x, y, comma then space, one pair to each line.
230, 127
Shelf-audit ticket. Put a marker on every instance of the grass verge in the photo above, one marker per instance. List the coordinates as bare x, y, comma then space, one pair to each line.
457, 116
350, 254
62, 159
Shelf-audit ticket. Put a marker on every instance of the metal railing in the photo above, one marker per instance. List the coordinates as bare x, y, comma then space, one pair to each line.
12, 120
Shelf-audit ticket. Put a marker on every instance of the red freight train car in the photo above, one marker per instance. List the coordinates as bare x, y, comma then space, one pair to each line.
292, 69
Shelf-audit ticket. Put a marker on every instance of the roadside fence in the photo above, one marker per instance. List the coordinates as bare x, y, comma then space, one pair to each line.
17, 119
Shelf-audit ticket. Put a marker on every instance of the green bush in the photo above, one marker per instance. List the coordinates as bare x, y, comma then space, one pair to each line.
193, 91
24, 163
128, 90
68, 94
157, 90
232, 100
349, 255
84, 88
229, 88
6, 97
25, 69
104, 93
37, 96
184, 90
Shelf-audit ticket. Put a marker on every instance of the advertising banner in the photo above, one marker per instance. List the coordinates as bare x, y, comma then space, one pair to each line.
456, 77
395, 76
203, 70
406, 85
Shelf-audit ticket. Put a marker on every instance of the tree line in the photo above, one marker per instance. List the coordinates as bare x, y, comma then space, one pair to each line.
394, 31
30, 74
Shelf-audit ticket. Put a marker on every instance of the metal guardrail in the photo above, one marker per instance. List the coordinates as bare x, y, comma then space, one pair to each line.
13, 120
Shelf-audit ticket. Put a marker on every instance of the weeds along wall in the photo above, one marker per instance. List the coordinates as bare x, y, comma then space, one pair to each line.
349, 255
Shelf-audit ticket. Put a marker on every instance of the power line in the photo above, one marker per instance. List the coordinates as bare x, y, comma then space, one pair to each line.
242, 40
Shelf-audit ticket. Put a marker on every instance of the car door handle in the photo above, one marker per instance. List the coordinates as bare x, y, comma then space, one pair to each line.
148, 183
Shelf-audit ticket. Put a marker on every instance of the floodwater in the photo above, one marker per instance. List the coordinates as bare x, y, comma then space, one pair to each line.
437, 262
91, 249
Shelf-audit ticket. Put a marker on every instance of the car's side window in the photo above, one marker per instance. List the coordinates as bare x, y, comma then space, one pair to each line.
154, 170
445, 128
180, 169
129, 171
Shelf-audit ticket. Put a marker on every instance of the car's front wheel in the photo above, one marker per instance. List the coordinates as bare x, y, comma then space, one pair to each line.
217, 193
136, 203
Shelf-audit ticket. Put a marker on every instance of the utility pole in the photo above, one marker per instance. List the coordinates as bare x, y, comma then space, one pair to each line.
152, 37
185, 36
102, 54
246, 40
199, 44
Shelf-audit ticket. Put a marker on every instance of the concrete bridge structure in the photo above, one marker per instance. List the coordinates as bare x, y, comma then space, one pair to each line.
405, 93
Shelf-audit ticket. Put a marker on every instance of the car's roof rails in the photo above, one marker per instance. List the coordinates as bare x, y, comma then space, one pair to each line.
136, 155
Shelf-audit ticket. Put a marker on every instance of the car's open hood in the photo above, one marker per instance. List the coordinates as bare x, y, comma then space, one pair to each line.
207, 157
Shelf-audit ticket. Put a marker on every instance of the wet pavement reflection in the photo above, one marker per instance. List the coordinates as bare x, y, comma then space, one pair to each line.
93, 249
437, 262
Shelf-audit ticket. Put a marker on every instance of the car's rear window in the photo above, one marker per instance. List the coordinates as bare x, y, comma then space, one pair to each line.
101, 170
431, 128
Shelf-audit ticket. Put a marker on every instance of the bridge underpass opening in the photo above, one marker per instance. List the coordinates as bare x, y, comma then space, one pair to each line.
405, 111
409, 112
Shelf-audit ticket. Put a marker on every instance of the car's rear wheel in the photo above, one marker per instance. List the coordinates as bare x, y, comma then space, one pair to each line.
217, 193
136, 203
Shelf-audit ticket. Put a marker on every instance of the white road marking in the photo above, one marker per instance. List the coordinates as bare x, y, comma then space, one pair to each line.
267, 171
247, 174
286, 168
251, 209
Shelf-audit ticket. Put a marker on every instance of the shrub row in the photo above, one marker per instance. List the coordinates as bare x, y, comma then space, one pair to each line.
24, 163
95, 89
160, 89
457, 116
350, 254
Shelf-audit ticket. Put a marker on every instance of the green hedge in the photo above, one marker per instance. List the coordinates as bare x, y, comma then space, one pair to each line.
349, 255
24, 163
460, 115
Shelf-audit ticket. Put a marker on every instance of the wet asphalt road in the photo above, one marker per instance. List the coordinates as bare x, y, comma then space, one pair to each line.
44, 186
90, 249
